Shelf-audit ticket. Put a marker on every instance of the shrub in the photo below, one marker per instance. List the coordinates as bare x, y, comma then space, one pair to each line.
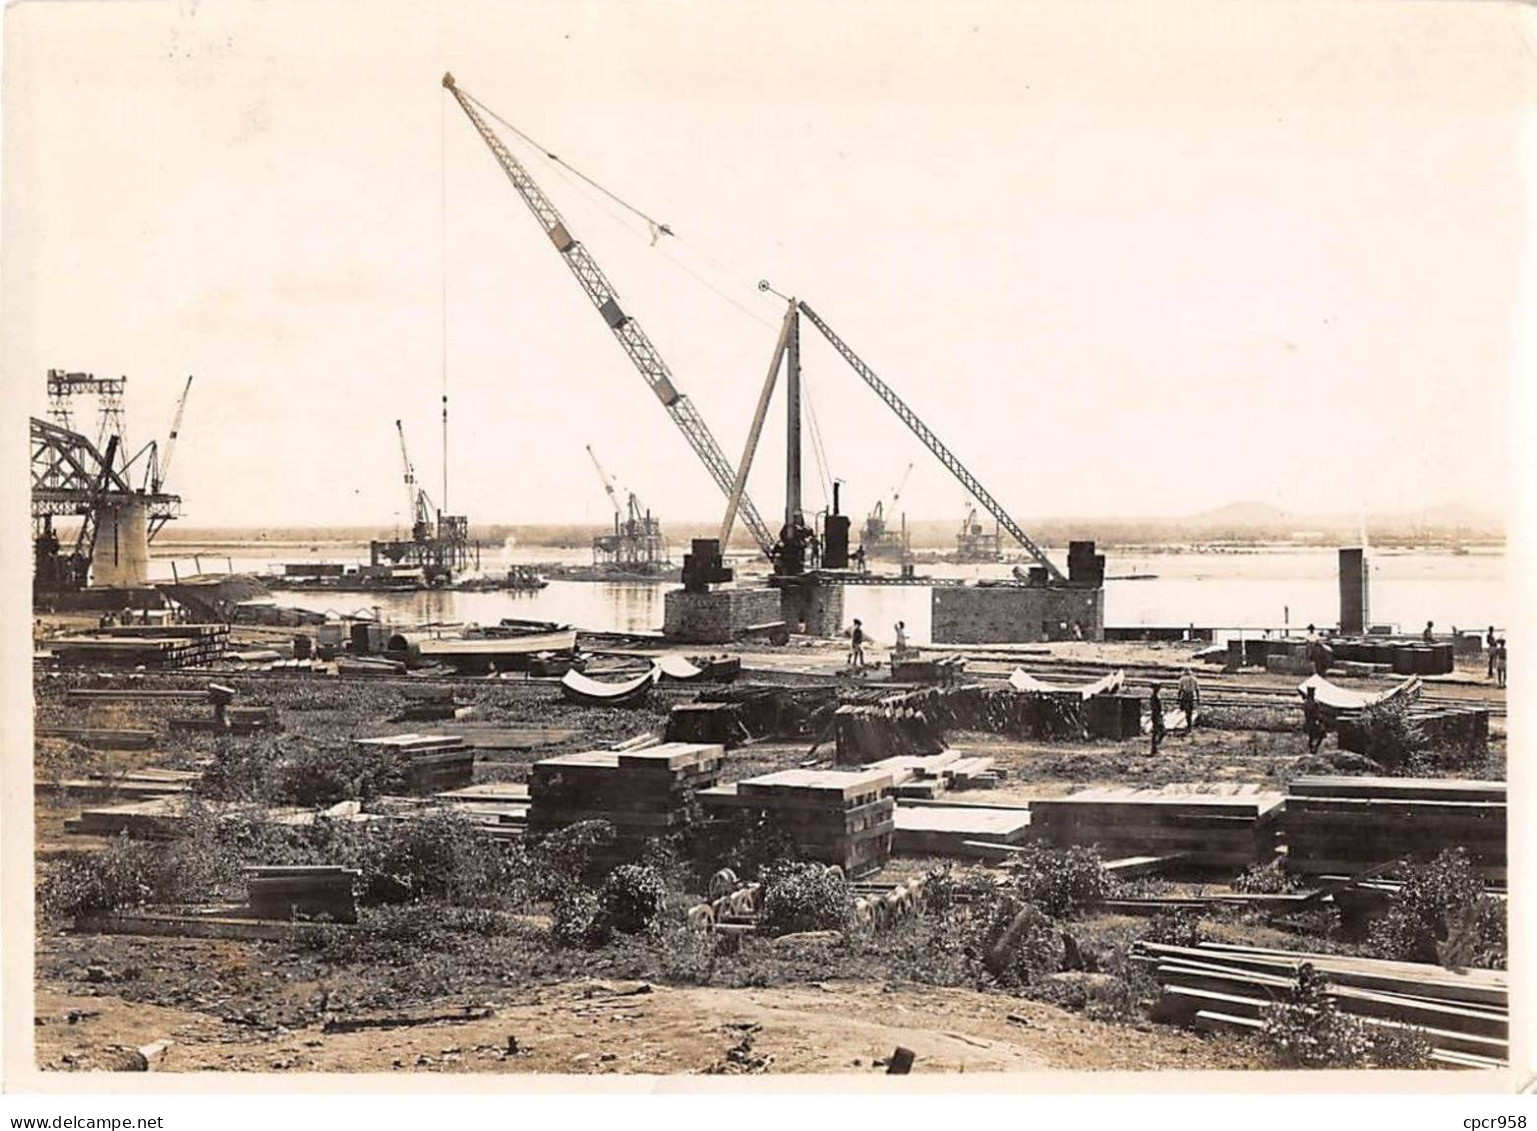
1018, 942
1059, 881
631, 896
578, 921
313, 774
1305, 1029
1181, 927
748, 847
1390, 734
804, 897
1265, 879
1442, 914
437, 856
570, 855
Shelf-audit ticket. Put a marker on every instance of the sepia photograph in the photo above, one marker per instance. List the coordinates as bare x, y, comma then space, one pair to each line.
765, 540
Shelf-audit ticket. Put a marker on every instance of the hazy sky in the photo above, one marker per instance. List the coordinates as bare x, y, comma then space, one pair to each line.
1124, 260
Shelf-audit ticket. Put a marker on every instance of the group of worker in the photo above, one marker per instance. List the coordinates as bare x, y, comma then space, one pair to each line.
1187, 693
858, 639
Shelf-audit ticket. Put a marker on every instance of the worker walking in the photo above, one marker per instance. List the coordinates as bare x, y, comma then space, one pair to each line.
1155, 710
1313, 723
1189, 695
857, 646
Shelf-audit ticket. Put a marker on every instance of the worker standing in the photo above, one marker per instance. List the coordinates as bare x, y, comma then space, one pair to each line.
1313, 723
1499, 663
857, 646
1155, 710
1189, 694
1491, 642
899, 649
1430, 632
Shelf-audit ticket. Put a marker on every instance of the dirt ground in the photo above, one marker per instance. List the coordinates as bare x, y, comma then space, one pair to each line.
256, 1007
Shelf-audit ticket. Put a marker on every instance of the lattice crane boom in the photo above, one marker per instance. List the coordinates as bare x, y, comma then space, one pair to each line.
608, 484
932, 442
625, 329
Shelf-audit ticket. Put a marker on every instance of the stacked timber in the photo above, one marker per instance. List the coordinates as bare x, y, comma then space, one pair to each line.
867, 732
250, 720
1231, 828
1464, 729
967, 831
1220, 987
151, 646
643, 793
1348, 825
428, 763
719, 724
1115, 717
835, 816
300, 891
138, 785
778, 709
498, 809
430, 704
925, 777
928, 669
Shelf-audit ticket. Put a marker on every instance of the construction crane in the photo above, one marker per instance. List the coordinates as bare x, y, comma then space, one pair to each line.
608, 484
932, 442
162, 463
418, 506
879, 511
626, 330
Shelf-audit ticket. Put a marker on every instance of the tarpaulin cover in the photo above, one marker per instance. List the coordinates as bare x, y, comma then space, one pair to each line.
1023, 681
1343, 699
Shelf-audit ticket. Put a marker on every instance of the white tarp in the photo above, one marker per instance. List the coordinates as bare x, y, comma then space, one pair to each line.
675, 666
588, 688
1022, 680
1339, 698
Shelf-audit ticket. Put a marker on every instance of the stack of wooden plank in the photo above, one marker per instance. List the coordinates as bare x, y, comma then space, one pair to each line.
1221, 987
430, 763
166, 817
1215, 826
250, 720
928, 669
970, 831
431, 703
642, 793
1351, 824
867, 732
137, 784
778, 709
1465, 729
500, 809
153, 646
926, 777
303, 891
1115, 717
836, 816
719, 724
101, 738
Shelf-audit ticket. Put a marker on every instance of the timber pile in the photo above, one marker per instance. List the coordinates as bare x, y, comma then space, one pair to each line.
429, 764
775, 709
251, 720
869, 732
498, 809
1231, 827
137, 784
835, 816
151, 646
1350, 824
926, 776
1406, 657
302, 891
1464, 729
1115, 717
643, 793
972, 831
1220, 987
165, 818
942, 670
101, 738
430, 704
717, 723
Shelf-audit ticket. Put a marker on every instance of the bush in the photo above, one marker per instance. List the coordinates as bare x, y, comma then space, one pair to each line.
631, 896
1442, 914
438, 856
1181, 927
1018, 942
296, 771
571, 856
1265, 879
1059, 881
804, 897
748, 847
578, 920
1305, 1029
1391, 736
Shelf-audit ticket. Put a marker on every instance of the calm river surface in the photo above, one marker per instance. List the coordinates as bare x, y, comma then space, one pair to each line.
1262, 587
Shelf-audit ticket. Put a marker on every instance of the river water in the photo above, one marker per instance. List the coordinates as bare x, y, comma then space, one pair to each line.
1249, 588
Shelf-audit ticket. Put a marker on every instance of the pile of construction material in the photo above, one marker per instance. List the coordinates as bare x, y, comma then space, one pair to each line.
1213, 826
252, 720
1219, 987
943, 670
866, 732
303, 891
431, 703
498, 809
834, 816
429, 763
643, 793
1347, 825
1404, 657
976, 831
927, 776
1461, 729
160, 647
139, 785
778, 709
717, 723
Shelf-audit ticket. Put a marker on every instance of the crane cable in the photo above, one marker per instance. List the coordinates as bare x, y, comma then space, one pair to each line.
655, 228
